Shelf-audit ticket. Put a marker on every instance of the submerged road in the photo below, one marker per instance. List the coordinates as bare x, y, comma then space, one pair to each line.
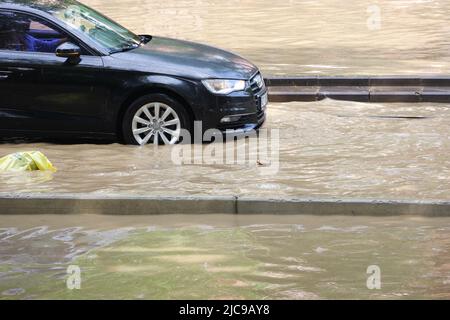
332, 157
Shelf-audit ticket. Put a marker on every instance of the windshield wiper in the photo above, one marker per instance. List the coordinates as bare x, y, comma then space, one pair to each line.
143, 39
126, 48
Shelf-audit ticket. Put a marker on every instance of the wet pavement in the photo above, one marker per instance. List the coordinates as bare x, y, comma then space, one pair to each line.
326, 149
223, 257
304, 37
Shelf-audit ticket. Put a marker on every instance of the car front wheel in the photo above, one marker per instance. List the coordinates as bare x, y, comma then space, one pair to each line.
155, 119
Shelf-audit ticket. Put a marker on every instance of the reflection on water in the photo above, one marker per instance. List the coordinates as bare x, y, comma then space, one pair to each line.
28, 178
223, 257
328, 148
304, 36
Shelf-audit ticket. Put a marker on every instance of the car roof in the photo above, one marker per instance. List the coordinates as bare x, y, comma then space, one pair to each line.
41, 5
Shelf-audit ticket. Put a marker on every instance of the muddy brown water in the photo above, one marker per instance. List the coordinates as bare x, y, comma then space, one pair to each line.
326, 149
304, 36
329, 149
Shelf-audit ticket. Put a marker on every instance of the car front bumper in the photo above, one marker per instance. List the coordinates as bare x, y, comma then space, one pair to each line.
245, 110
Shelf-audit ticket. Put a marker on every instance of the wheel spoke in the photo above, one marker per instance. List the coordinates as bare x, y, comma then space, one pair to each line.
171, 122
155, 139
164, 138
141, 121
157, 111
166, 114
171, 132
147, 113
147, 138
141, 130
174, 140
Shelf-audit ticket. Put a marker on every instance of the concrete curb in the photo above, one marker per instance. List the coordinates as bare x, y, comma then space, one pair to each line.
361, 89
113, 205
360, 81
348, 207
15, 204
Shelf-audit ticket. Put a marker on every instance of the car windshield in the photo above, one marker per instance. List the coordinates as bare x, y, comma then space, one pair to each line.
98, 28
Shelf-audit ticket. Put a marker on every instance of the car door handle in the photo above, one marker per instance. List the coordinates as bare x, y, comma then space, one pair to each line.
20, 69
4, 75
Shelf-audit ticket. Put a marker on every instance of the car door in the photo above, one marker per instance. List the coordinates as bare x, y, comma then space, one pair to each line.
17, 81
42, 92
14, 79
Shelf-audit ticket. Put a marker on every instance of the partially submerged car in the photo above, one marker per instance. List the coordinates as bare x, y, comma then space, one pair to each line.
66, 69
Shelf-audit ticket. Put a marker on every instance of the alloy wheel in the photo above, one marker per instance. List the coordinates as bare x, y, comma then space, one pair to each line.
156, 123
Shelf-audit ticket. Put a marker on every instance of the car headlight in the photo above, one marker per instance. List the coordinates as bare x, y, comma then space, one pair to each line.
223, 86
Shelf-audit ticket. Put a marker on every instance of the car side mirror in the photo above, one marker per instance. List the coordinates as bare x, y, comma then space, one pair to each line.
70, 51
145, 38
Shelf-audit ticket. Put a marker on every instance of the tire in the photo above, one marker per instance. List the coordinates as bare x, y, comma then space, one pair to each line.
142, 126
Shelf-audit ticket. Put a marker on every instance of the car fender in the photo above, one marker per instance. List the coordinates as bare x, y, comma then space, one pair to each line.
187, 92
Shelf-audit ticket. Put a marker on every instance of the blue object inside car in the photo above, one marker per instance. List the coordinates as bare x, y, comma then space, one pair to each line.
40, 45
18, 33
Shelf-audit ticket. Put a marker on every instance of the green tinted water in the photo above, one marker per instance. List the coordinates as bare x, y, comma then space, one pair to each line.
223, 257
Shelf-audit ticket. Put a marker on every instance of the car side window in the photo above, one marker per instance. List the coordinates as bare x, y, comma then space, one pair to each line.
20, 32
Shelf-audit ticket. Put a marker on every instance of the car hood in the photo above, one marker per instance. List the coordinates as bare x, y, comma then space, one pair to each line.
186, 59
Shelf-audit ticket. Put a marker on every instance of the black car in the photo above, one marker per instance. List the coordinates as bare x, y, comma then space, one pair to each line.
65, 69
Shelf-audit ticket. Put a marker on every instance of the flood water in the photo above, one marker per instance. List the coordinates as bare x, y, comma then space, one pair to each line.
223, 257
299, 37
326, 149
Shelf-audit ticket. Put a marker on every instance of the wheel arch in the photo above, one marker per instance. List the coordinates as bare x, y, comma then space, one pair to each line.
146, 90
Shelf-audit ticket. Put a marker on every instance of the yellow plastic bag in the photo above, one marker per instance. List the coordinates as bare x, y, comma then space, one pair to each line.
26, 161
